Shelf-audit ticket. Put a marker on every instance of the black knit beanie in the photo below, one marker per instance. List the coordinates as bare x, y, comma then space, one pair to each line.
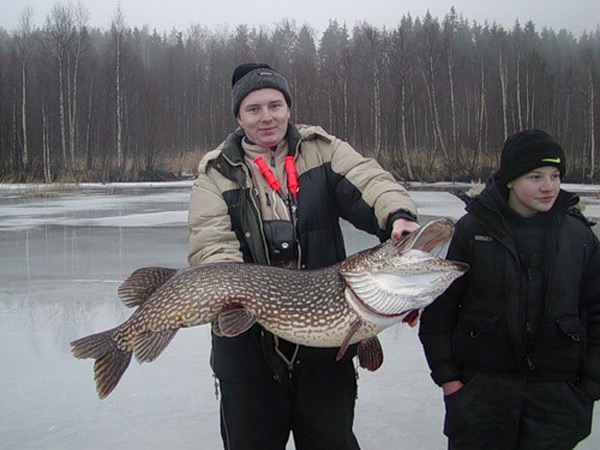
250, 77
528, 150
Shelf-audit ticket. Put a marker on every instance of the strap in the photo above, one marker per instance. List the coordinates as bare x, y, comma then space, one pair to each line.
288, 362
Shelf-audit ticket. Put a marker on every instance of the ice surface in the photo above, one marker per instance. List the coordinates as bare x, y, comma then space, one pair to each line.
63, 256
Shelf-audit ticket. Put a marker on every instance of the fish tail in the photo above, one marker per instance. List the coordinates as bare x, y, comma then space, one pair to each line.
111, 362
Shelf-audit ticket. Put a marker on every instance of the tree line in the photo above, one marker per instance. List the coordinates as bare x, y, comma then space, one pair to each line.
431, 99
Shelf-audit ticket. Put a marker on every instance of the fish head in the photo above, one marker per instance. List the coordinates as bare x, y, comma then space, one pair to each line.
434, 237
386, 283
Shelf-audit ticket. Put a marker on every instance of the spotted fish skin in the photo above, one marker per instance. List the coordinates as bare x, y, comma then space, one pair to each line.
332, 307
305, 306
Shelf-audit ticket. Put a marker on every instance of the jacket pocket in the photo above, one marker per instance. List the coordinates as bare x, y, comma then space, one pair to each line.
559, 347
475, 325
481, 343
572, 327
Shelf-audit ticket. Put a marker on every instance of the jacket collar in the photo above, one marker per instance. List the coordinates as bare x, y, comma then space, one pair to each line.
490, 208
232, 148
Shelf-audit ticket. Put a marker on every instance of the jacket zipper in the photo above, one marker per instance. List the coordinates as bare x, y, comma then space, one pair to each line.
521, 342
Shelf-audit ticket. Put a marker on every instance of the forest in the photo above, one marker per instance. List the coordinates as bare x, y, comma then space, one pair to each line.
431, 99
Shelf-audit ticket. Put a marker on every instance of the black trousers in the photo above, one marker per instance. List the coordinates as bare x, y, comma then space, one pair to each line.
316, 403
497, 413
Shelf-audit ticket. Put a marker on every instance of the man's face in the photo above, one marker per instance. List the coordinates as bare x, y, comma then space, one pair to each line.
264, 116
535, 191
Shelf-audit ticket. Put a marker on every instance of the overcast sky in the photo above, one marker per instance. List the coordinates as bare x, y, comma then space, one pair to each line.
574, 15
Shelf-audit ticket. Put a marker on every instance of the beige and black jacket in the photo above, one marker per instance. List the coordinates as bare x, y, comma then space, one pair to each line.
335, 181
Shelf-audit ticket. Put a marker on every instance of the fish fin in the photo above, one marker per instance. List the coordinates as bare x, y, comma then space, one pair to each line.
370, 354
346, 342
138, 287
235, 321
215, 328
111, 362
148, 346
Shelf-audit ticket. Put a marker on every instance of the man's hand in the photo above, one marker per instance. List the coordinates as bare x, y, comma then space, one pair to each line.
402, 227
451, 387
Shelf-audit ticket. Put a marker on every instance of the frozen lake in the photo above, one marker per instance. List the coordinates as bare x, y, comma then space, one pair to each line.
64, 255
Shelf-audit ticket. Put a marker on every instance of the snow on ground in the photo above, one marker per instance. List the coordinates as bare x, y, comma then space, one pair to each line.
64, 253
27, 206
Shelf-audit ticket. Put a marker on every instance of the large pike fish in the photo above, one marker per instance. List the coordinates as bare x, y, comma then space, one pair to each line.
337, 306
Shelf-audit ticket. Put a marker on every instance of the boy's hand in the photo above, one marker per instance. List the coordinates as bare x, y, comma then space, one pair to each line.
451, 387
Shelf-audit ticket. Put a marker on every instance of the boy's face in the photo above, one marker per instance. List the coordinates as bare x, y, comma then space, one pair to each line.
535, 191
264, 116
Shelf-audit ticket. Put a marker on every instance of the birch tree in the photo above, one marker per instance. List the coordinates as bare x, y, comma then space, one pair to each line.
450, 29
118, 35
499, 37
59, 32
589, 57
24, 43
47, 169
481, 50
401, 66
81, 17
369, 49
429, 52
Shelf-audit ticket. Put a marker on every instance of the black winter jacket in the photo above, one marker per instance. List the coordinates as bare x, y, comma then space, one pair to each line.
480, 323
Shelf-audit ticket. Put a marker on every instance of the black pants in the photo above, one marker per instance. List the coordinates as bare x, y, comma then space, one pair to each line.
496, 413
316, 403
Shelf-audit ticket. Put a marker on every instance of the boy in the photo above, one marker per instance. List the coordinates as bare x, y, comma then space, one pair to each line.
515, 343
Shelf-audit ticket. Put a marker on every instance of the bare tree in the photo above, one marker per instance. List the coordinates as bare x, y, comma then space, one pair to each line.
369, 49
24, 42
81, 17
401, 67
334, 61
118, 34
47, 170
589, 54
591, 98
305, 77
499, 35
429, 53
424, 97
481, 107
450, 30
59, 32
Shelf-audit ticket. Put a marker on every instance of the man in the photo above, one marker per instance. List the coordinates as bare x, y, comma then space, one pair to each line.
273, 193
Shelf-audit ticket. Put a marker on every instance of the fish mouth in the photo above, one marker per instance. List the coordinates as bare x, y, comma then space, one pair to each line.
434, 237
